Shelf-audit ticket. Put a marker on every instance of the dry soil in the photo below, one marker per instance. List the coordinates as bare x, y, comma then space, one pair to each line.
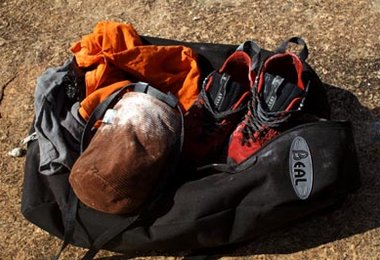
344, 42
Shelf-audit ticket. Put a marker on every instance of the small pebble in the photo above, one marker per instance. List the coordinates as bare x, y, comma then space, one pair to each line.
17, 152
2, 42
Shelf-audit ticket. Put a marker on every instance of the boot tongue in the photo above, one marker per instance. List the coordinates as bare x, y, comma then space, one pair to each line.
278, 93
224, 92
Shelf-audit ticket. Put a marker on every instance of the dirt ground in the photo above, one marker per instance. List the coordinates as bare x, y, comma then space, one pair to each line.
344, 41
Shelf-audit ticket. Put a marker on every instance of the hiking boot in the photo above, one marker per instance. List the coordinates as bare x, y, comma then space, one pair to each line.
278, 92
220, 106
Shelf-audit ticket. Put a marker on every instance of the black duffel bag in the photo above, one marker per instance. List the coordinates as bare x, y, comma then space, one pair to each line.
305, 169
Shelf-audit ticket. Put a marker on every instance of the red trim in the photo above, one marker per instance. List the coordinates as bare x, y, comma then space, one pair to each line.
241, 99
293, 103
296, 62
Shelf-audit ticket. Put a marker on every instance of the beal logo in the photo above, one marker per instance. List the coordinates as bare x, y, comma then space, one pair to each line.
301, 168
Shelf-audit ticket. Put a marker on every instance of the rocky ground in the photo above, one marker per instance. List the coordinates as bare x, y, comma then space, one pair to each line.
344, 42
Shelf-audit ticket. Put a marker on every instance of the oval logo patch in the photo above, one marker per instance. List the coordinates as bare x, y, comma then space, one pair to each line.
301, 168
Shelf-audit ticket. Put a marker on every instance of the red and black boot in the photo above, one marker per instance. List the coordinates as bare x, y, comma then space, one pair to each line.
220, 106
278, 91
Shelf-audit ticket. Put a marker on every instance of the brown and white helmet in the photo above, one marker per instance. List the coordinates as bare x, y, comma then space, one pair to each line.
133, 147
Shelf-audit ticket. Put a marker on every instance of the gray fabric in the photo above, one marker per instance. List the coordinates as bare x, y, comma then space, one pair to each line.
58, 125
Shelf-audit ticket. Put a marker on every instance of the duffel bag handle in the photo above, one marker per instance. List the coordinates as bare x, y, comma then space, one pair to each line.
254, 51
250, 47
304, 52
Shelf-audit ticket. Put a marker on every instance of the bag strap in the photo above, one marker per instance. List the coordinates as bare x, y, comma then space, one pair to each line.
304, 52
111, 100
108, 235
69, 215
254, 51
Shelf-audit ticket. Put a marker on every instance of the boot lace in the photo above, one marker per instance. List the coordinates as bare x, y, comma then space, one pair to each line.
212, 118
259, 120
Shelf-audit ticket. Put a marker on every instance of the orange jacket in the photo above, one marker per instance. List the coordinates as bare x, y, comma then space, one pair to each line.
114, 56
